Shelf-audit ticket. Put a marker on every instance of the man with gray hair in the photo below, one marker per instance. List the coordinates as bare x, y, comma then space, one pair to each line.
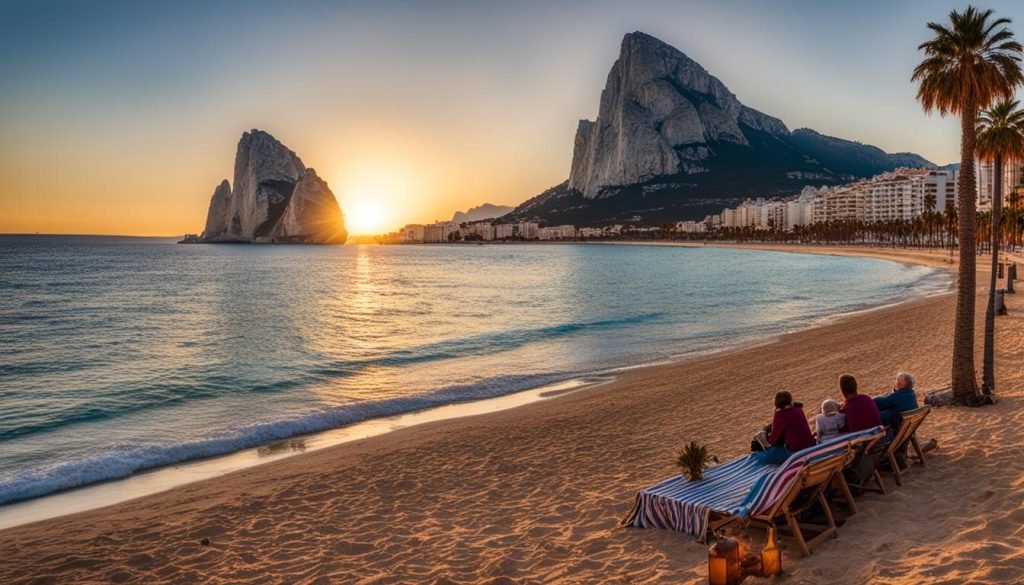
901, 399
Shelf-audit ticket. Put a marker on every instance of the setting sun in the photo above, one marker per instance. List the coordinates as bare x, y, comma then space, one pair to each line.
377, 196
364, 217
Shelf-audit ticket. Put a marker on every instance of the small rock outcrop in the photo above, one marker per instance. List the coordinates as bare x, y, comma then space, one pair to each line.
219, 216
275, 199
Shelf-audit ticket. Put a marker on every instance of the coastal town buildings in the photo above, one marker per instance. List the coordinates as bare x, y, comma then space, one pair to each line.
900, 195
942, 185
773, 215
526, 230
478, 231
728, 218
558, 232
984, 174
692, 227
800, 211
412, 233
433, 234
504, 231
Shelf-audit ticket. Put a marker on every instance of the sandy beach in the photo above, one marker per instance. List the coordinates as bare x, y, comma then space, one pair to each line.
535, 494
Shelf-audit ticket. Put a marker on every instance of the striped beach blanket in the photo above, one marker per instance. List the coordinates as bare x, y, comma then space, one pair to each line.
742, 487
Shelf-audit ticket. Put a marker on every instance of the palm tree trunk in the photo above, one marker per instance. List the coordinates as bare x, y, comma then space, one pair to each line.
964, 374
988, 377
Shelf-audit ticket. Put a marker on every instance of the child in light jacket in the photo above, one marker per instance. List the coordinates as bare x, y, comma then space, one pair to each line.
830, 423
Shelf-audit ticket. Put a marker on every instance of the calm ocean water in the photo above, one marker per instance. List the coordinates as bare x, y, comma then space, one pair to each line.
122, 354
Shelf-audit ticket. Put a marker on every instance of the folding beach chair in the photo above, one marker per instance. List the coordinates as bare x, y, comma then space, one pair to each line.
885, 453
806, 490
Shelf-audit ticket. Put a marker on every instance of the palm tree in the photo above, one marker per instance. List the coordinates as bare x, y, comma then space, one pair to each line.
1000, 139
930, 201
951, 218
967, 66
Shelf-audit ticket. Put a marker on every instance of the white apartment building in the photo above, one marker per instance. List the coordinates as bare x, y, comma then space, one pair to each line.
943, 185
1013, 178
433, 234
752, 213
527, 230
599, 232
729, 218
692, 227
482, 229
558, 232
899, 197
439, 231
799, 212
504, 231
412, 233
840, 203
773, 215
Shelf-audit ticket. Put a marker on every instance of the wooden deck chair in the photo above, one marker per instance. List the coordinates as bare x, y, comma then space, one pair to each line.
863, 460
806, 490
918, 451
886, 453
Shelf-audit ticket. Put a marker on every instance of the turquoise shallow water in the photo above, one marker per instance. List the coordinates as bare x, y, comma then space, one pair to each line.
123, 354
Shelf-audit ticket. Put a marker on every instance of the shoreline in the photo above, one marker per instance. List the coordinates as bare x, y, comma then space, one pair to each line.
553, 476
155, 480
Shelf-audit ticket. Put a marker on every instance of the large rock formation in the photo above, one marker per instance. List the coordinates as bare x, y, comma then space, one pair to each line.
672, 142
659, 110
275, 199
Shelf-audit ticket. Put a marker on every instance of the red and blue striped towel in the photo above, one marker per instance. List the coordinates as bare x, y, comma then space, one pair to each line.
742, 487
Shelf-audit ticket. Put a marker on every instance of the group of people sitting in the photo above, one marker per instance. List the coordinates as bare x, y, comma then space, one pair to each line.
790, 430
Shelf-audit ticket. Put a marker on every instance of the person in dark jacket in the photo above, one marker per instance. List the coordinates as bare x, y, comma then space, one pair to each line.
901, 399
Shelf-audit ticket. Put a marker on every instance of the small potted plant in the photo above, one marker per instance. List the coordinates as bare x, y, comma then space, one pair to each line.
693, 458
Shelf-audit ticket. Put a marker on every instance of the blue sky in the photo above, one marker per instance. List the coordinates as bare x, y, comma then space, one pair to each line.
424, 107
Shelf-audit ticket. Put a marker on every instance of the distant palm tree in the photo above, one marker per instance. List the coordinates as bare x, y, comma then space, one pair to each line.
1000, 139
951, 220
930, 201
967, 66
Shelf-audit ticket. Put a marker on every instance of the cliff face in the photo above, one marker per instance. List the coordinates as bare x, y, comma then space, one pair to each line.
219, 215
671, 143
659, 109
275, 199
313, 213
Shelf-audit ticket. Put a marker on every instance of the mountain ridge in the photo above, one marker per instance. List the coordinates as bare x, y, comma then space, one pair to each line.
671, 142
481, 212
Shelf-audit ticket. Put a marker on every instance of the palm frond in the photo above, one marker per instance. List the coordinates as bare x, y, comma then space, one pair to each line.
970, 63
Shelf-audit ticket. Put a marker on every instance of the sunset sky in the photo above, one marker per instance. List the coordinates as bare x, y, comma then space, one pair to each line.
119, 118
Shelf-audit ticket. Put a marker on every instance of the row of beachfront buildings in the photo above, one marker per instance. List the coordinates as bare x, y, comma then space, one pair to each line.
484, 231
900, 195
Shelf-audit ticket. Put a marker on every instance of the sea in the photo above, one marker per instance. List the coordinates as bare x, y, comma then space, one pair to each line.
119, 355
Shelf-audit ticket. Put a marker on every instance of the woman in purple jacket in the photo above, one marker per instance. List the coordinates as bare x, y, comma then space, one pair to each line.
790, 431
